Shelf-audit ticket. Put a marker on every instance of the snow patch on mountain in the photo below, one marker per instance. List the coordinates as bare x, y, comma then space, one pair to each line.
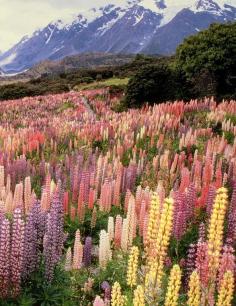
9, 59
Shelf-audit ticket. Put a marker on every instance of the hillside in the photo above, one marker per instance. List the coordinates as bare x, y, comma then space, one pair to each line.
90, 197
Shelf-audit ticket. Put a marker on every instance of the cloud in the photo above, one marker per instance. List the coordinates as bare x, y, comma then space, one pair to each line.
21, 17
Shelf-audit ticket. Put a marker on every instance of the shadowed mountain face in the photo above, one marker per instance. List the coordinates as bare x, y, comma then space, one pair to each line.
154, 26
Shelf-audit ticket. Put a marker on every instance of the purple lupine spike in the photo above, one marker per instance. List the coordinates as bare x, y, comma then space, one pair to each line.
210, 199
17, 250
202, 232
87, 256
191, 198
107, 290
231, 231
54, 237
4, 258
190, 262
34, 229
179, 216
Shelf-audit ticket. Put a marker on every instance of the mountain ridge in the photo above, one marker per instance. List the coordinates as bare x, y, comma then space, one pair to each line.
138, 26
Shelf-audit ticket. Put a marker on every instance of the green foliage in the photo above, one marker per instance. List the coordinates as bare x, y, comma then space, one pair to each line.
102, 145
209, 59
229, 136
149, 85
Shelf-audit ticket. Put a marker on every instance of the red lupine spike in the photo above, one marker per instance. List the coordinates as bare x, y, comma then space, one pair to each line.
185, 180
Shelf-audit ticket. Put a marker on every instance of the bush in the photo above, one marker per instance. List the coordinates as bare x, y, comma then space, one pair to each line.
150, 84
209, 60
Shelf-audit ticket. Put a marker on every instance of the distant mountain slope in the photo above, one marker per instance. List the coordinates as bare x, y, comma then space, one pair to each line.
70, 63
150, 26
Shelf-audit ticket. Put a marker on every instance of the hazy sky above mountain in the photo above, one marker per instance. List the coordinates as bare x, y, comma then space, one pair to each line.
21, 17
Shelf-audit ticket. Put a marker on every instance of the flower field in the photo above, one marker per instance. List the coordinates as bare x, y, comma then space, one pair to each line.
105, 208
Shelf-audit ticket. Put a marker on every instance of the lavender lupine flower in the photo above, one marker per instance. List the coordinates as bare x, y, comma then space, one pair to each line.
33, 239
54, 236
87, 256
191, 198
17, 250
190, 264
4, 257
202, 232
210, 199
107, 290
231, 232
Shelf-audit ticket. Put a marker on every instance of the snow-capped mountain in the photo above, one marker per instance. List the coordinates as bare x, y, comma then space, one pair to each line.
134, 26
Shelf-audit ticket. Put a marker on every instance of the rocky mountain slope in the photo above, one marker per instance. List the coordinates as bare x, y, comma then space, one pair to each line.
138, 26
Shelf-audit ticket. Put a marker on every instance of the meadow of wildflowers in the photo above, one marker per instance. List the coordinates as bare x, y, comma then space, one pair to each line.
105, 208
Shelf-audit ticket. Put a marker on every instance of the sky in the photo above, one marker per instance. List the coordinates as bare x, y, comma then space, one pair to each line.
21, 17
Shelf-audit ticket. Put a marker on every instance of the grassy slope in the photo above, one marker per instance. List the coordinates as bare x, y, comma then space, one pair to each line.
101, 84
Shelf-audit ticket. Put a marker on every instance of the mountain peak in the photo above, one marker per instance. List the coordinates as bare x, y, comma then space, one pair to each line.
122, 26
208, 6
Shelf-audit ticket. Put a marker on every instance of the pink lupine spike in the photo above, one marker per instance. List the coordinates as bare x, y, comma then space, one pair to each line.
81, 210
4, 258
66, 202
127, 197
27, 195
227, 263
72, 213
142, 218
185, 179
98, 302
202, 262
91, 199
118, 231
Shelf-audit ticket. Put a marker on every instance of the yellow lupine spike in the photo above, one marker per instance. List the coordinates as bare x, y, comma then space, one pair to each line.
132, 267
139, 297
153, 222
194, 292
156, 261
226, 290
117, 299
216, 230
174, 283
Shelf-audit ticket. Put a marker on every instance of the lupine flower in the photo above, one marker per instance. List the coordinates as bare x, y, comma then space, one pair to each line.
107, 290
17, 249
87, 257
138, 299
194, 292
117, 299
54, 237
77, 252
226, 290
227, 263
118, 231
98, 301
4, 258
34, 231
132, 267
104, 248
68, 261
94, 218
215, 234
156, 261
153, 222
174, 283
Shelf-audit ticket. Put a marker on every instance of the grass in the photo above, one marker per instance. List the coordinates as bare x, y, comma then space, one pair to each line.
104, 83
